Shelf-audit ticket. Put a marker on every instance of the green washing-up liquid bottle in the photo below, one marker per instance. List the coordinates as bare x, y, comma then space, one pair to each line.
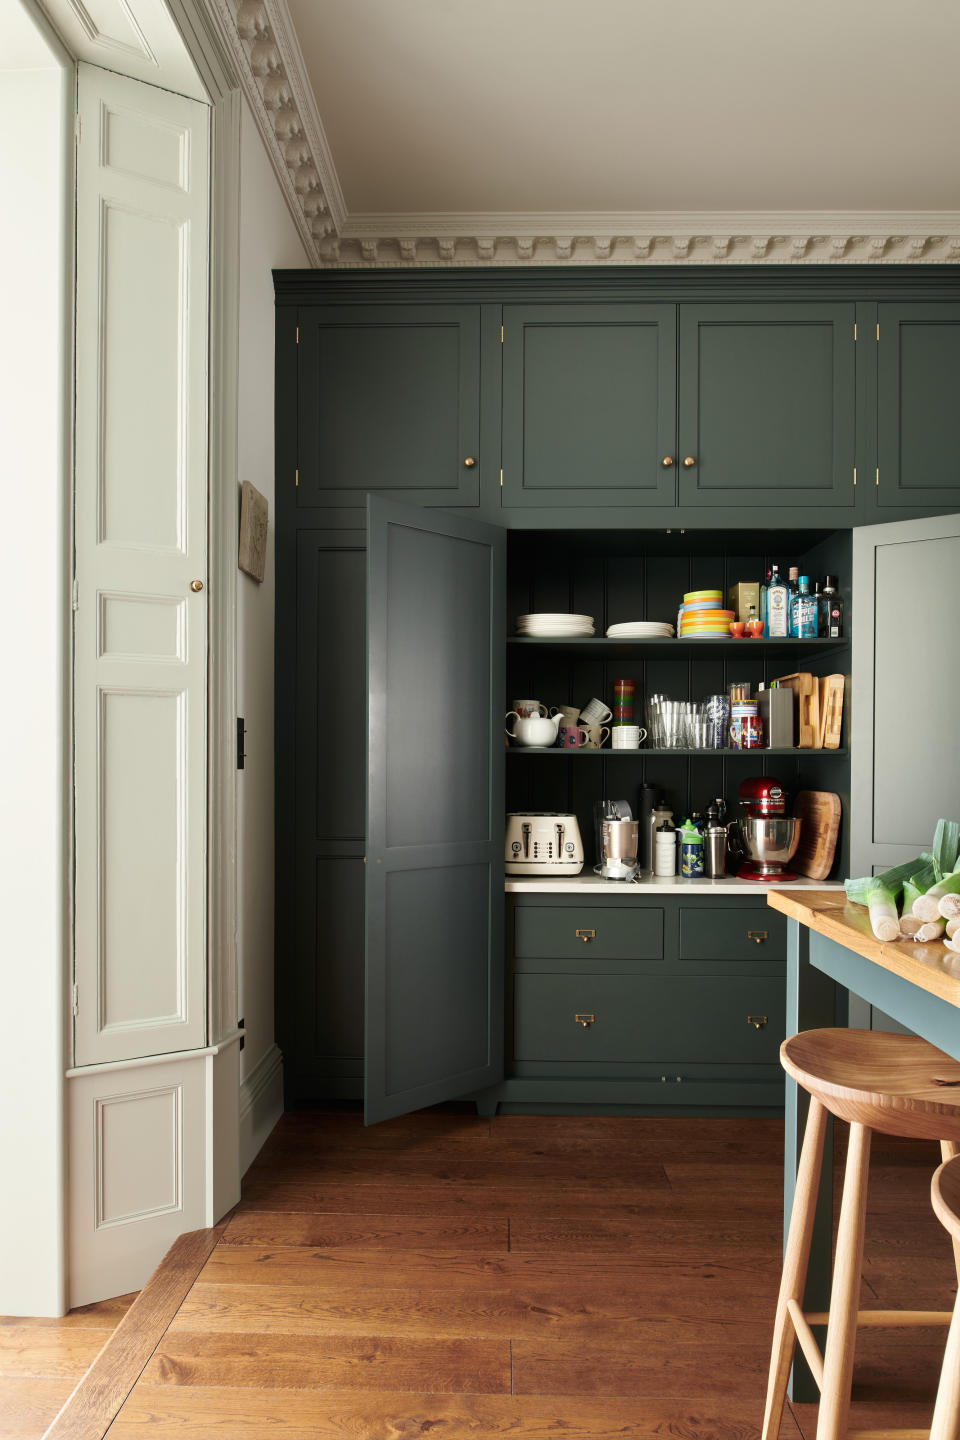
691, 850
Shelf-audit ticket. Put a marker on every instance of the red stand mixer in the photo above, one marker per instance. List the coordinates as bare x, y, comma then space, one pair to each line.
765, 834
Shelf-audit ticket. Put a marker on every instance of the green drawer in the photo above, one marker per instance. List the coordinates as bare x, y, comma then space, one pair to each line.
596, 932
658, 1018
722, 932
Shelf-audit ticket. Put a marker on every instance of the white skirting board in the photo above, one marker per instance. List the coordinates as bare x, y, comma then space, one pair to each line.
261, 1105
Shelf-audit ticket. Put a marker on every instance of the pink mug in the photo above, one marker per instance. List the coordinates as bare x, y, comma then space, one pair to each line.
572, 737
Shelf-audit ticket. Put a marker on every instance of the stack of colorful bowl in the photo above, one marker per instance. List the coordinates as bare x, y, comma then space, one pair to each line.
703, 617
623, 691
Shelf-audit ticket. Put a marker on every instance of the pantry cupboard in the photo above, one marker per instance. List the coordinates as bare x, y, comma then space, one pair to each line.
535, 455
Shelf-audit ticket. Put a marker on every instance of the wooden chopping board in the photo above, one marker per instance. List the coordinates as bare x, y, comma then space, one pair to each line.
819, 811
806, 708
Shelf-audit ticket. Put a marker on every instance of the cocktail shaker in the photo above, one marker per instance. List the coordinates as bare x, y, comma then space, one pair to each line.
715, 851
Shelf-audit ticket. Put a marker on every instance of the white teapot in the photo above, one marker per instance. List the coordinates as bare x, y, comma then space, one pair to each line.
534, 730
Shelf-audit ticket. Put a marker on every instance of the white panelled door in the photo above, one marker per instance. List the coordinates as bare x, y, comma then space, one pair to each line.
140, 668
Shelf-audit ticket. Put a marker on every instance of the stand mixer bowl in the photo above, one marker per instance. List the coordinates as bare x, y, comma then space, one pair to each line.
769, 843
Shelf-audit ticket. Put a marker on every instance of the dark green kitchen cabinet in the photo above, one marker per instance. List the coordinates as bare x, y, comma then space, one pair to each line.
389, 402
589, 405
918, 427
767, 406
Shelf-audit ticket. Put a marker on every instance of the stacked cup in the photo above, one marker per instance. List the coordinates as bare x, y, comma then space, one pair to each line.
623, 702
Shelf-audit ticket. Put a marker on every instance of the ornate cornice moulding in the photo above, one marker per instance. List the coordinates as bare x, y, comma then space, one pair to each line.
273, 74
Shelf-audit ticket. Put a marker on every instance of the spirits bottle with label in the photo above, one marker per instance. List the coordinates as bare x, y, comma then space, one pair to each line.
778, 613
833, 609
804, 612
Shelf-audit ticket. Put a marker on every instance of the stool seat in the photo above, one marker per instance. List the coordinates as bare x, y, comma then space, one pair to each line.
898, 1084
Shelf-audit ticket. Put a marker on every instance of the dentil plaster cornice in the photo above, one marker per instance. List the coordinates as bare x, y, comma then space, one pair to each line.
274, 78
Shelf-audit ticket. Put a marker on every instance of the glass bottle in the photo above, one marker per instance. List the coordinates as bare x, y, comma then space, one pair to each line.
833, 608
778, 613
804, 611
793, 579
763, 601
823, 615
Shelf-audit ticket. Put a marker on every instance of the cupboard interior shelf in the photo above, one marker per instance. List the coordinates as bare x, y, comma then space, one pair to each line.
724, 649
724, 754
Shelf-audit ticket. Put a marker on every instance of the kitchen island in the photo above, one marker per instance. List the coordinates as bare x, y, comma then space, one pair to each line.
830, 945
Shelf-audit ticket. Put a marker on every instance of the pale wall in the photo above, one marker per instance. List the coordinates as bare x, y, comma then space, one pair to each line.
34, 633
268, 239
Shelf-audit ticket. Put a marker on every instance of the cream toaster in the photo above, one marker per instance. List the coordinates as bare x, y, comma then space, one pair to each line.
543, 843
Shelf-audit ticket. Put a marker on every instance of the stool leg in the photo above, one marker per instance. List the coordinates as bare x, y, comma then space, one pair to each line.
948, 1149
845, 1292
795, 1260
946, 1415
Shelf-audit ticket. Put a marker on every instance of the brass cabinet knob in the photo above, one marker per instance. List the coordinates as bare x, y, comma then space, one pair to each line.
585, 1020
469, 462
757, 1021
758, 936
586, 935
196, 586
667, 460
688, 460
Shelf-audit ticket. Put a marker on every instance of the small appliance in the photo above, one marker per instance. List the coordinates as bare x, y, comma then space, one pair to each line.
543, 842
765, 833
618, 840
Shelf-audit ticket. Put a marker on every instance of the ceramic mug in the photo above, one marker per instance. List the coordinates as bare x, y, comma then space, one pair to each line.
526, 708
596, 713
572, 737
570, 713
627, 737
596, 735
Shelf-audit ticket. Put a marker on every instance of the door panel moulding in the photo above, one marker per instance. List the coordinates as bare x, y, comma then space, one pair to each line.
272, 73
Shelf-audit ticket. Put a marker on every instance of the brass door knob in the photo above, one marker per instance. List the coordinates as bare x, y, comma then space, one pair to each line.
667, 460
688, 460
196, 586
469, 462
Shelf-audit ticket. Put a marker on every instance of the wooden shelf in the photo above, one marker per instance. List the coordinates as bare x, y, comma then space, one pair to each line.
649, 750
723, 648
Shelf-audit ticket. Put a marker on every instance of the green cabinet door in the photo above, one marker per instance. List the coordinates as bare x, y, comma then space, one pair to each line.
389, 402
766, 405
589, 405
918, 428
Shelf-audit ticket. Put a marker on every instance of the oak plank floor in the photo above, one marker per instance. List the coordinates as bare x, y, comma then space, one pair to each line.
530, 1276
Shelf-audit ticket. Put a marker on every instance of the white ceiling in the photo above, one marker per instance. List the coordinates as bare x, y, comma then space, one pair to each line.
519, 107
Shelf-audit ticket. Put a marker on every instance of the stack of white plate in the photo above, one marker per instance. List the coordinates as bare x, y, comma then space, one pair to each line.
640, 630
545, 625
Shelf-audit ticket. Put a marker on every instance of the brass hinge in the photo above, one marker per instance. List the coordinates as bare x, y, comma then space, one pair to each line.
78, 126
76, 594
854, 329
878, 476
501, 334
298, 334
878, 329
854, 474
296, 477
501, 479
76, 999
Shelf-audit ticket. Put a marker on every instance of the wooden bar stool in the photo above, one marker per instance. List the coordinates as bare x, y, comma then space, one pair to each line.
945, 1194
899, 1085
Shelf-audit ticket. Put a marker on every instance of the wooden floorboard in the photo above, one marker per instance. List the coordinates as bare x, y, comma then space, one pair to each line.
526, 1276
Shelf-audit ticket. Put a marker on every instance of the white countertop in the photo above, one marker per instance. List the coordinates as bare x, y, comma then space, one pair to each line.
654, 885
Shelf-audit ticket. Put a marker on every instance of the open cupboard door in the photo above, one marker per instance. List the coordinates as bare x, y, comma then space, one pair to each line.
905, 774
434, 893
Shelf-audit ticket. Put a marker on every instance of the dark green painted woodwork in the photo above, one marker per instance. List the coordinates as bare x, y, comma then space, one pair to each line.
589, 404
767, 405
647, 1018
715, 932
608, 932
918, 430
434, 898
389, 401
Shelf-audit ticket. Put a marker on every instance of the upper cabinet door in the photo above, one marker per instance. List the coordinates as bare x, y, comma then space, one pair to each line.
589, 405
434, 893
918, 432
389, 402
767, 405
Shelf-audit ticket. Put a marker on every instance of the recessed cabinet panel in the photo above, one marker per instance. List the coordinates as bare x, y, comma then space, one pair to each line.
619, 1018
718, 932
589, 932
766, 405
589, 401
918, 433
389, 402
331, 980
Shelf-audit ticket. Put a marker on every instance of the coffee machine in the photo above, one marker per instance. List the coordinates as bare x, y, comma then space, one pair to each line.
767, 836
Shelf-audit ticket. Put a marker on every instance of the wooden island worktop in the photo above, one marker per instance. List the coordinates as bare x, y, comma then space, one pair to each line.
932, 967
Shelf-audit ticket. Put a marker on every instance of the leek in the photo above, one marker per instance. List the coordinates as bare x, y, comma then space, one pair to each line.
953, 927
910, 893
930, 930
946, 845
909, 925
949, 906
926, 906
